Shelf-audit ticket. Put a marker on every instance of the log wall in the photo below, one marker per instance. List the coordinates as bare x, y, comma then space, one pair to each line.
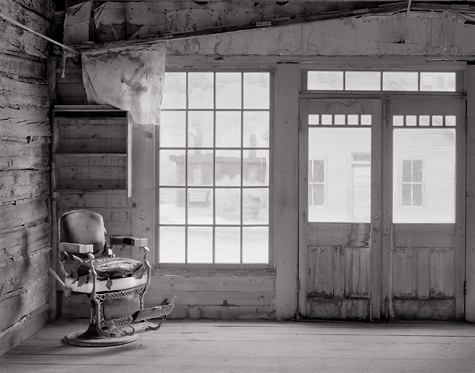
25, 137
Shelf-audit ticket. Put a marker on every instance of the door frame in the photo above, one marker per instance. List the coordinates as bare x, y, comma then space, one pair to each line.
381, 275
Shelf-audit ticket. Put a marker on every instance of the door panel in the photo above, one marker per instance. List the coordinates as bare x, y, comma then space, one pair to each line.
427, 240
339, 135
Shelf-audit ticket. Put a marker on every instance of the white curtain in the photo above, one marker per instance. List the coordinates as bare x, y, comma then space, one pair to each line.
129, 78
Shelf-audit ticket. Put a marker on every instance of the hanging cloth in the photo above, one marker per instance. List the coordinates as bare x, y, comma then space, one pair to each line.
130, 79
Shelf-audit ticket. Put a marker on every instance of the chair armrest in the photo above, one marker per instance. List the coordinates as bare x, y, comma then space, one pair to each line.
128, 240
76, 248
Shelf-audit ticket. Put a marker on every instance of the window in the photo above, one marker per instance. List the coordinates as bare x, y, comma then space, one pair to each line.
409, 81
412, 182
214, 164
316, 182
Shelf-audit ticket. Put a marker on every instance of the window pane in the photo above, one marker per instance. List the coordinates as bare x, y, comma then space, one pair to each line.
316, 195
417, 171
424, 120
363, 81
398, 120
228, 90
406, 171
228, 206
200, 129
200, 245
228, 167
228, 129
437, 120
172, 167
255, 168
417, 195
256, 90
172, 205
354, 119
200, 167
411, 120
256, 129
400, 81
255, 207
432, 154
200, 206
366, 120
325, 80
172, 244
313, 119
172, 129
200, 90
340, 120
450, 120
228, 245
174, 93
255, 243
406, 195
443, 82
318, 171
327, 119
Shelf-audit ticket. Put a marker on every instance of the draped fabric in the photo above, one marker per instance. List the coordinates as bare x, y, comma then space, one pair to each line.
130, 79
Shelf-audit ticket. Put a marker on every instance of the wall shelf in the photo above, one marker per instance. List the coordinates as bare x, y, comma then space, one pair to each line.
90, 148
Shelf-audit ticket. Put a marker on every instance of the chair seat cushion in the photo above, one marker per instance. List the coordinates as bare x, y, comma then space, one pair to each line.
110, 268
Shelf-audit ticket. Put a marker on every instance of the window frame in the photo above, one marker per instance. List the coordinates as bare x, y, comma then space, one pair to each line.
243, 149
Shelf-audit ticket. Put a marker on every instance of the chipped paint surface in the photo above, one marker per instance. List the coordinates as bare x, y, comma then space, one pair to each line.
426, 34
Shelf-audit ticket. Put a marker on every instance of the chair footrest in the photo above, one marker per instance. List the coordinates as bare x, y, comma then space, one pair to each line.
152, 312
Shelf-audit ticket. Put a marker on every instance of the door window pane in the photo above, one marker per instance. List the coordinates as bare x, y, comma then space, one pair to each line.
347, 180
325, 80
424, 175
363, 81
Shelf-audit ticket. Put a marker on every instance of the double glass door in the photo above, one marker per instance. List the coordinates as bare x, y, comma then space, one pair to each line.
381, 212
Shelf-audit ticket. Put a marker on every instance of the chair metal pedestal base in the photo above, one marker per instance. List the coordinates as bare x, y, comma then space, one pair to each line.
90, 338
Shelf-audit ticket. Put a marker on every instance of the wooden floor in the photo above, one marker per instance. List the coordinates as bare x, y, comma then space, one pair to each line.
218, 346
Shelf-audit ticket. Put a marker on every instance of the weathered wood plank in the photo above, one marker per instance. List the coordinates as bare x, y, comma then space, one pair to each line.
16, 155
356, 272
17, 185
16, 66
404, 274
338, 308
19, 304
15, 92
17, 40
424, 235
339, 234
442, 273
25, 121
23, 213
26, 328
40, 7
17, 274
428, 309
211, 298
320, 271
24, 240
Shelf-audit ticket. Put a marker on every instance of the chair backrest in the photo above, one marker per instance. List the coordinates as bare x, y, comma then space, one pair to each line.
84, 227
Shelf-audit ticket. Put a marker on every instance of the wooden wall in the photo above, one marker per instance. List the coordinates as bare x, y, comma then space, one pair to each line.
25, 136
197, 294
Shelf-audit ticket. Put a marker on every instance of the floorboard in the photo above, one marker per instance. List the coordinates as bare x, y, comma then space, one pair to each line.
261, 346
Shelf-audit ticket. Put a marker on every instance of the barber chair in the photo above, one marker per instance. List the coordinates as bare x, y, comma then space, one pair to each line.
115, 285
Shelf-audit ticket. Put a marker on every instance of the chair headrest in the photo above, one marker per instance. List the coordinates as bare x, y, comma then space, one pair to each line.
85, 227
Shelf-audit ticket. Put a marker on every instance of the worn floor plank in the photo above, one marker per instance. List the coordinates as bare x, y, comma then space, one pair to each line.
217, 346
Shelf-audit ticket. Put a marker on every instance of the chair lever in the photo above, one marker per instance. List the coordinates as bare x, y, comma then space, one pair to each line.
152, 312
67, 291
